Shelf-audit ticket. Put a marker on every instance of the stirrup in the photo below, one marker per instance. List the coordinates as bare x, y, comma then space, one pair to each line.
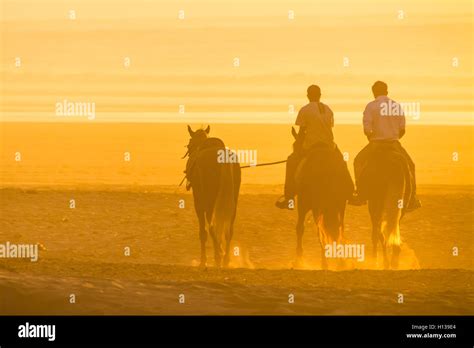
283, 203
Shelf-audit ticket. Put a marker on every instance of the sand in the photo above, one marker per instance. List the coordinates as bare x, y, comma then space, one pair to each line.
46, 159
84, 255
134, 205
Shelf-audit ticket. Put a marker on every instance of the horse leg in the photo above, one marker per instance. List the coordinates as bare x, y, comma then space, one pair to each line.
393, 235
342, 263
203, 238
395, 256
227, 246
322, 239
375, 210
324, 260
375, 239
299, 238
217, 247
383, 242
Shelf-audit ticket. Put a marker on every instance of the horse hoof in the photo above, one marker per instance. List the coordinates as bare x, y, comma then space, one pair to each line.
298, 264
374, 264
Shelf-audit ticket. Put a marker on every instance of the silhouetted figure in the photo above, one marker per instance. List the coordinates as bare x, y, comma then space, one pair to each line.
215, 188
322, 187
316, 121
384, 124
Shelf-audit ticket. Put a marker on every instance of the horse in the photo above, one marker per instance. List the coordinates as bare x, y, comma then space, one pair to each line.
388, 186
215, 188
323, 186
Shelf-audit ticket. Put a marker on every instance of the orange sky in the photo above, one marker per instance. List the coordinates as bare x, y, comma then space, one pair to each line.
190, 61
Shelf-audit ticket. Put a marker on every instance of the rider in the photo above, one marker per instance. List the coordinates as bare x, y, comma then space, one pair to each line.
384, 122
316, 121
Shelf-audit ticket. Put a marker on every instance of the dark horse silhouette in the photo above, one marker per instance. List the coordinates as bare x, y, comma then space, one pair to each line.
323, 186
215, 190
388, 185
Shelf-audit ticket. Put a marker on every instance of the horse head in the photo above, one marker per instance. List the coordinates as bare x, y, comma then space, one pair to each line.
197, 138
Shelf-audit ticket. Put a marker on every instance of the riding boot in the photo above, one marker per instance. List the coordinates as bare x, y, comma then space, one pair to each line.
285, 203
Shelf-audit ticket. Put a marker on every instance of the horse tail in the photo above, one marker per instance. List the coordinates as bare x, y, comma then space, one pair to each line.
332, 184
225, 204
330, 223
391, 226
394, 204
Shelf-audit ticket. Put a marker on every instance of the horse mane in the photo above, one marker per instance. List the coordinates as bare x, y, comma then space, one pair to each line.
211, 142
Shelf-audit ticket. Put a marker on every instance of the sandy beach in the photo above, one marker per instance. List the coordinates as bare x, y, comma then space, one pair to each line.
134, 206
104, 102
82, 253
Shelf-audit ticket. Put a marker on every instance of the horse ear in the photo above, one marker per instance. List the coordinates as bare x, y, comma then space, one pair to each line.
208, 129
293, 131
191, 133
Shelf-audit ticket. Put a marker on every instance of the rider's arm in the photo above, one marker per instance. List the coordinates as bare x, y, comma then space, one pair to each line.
368, 134
401, 131
331, 115
301, 122
367, 121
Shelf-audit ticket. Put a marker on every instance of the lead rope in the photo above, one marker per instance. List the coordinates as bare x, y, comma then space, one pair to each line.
248, 166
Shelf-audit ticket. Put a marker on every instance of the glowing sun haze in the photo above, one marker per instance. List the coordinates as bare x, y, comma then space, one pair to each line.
422, 49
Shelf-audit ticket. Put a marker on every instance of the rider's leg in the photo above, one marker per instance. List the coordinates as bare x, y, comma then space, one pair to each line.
360, 162
291, 165
290, 189
414, 202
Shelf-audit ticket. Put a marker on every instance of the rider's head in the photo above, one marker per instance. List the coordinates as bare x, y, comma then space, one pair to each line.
379, 88
314, 93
